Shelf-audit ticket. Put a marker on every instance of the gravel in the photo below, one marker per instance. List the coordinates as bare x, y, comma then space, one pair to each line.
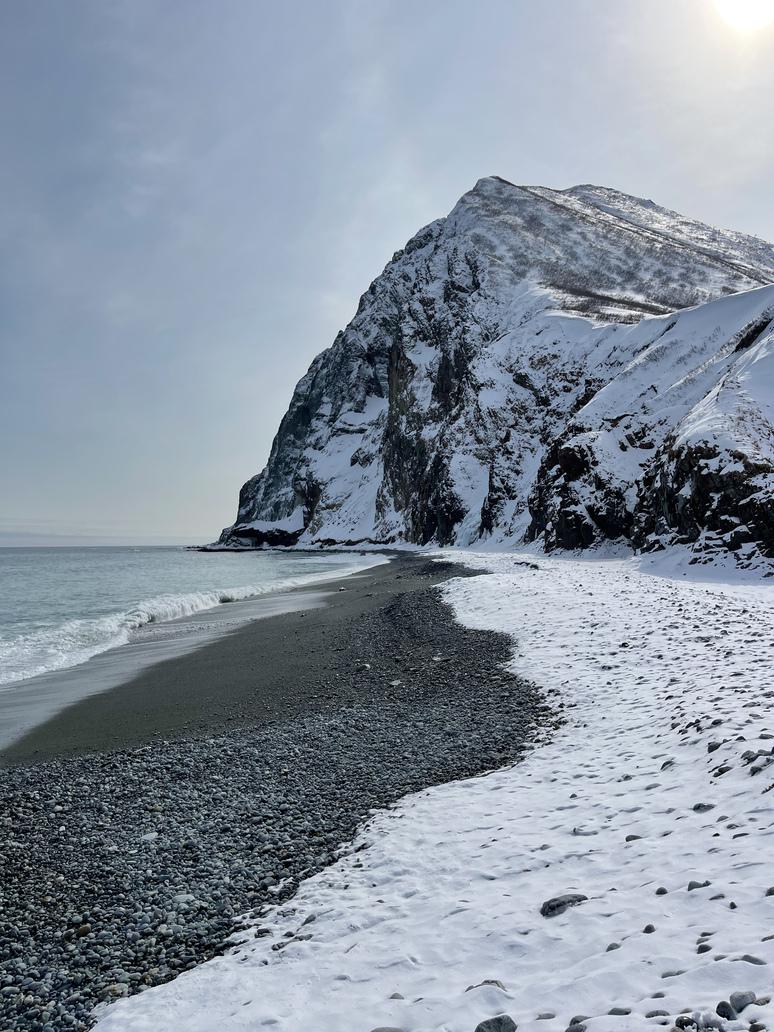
120, 870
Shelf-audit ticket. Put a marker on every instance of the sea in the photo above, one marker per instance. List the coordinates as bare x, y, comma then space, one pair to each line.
60, 607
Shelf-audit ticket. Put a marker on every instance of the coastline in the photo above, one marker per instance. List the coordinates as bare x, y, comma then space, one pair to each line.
615, 879
223, 681
149, 820
29, 703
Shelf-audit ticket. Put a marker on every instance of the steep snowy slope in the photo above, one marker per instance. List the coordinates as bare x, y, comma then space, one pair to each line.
634, 461
516, 370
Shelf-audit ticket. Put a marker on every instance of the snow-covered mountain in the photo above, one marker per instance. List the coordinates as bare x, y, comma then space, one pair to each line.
567, 366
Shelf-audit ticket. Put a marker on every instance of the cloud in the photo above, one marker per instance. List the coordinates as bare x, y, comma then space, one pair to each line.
196, 196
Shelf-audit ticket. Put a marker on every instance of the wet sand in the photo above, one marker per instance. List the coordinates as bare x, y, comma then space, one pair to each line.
271, 669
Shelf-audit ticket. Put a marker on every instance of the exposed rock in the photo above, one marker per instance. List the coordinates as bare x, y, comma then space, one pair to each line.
725, 1010
459, 403
741, 999
502, 1023
558, 905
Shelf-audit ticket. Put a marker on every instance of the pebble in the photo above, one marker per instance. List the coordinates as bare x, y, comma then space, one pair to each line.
502, 1023
558, 904
741, 999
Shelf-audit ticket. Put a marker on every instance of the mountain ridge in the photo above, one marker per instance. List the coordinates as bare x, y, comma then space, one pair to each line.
464, 401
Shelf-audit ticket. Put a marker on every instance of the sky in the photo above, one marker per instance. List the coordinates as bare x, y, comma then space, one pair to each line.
193, 195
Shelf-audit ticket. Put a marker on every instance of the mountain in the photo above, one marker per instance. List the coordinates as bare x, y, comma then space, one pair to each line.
564, 366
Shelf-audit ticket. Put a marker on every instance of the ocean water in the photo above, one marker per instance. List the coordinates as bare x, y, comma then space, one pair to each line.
60, 607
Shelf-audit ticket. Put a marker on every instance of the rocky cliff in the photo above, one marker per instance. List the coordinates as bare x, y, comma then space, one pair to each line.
563, 366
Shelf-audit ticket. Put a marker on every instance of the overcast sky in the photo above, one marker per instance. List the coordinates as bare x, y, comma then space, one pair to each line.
194, 194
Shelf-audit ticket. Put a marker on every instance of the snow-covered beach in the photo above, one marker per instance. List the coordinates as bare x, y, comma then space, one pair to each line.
142, 823
651, 805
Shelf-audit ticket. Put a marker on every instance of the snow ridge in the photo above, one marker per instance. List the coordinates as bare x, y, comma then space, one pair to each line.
567, 366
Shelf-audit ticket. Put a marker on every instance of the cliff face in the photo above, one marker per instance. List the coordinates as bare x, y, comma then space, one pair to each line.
527, 368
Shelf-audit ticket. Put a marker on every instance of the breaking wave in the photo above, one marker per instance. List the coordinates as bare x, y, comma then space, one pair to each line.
77, 640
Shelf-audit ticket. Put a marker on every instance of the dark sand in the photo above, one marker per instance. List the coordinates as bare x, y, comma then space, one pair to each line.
272, 669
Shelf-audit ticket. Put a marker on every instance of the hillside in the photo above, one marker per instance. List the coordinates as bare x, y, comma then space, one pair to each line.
566, 366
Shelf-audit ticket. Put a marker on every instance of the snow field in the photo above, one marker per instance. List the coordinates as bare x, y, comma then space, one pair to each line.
654, 782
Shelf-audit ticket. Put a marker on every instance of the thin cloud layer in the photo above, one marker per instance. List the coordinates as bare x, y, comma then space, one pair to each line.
194, 196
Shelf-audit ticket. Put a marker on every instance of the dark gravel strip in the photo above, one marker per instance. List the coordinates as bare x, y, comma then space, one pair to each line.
120, 870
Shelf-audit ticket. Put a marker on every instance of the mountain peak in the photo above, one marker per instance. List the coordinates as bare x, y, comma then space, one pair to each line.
524, 367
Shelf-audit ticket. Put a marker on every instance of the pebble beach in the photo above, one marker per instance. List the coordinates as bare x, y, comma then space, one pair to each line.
124, 866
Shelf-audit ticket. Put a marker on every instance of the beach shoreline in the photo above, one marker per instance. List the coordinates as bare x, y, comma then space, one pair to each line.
145, 823
31, 702
230, 679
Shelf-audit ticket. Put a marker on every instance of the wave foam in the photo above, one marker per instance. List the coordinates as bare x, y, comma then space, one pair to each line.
75, 641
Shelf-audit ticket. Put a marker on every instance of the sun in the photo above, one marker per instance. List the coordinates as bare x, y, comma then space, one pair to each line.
746, 15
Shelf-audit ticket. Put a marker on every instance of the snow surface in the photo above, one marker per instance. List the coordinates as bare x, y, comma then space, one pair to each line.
442, 893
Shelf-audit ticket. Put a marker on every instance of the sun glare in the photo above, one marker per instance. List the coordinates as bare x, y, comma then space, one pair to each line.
746, 15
